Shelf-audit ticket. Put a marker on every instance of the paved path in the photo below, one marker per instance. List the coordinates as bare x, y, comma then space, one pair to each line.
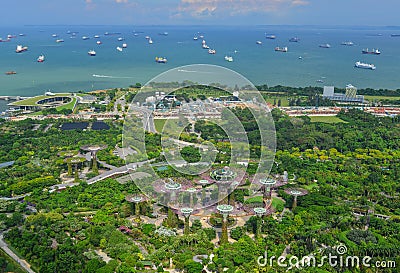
116, 171
148, 119
15, 197
21, 262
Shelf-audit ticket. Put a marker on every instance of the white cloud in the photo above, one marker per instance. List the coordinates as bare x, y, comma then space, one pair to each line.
231, 7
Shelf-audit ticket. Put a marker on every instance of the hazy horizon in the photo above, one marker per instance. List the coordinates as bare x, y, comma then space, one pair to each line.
200, 12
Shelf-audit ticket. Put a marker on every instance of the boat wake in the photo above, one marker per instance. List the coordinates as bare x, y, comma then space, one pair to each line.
192, 71
110, 77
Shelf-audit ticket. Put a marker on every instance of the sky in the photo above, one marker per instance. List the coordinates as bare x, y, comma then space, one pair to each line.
200, 12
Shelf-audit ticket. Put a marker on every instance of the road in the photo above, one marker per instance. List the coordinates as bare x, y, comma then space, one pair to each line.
15, 197
148, 119
21, 262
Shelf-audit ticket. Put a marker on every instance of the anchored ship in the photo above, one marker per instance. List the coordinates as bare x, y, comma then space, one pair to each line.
21, 48
372, 52
365, 65
229, 58
281, 49
40, 59
325, 46
161, 60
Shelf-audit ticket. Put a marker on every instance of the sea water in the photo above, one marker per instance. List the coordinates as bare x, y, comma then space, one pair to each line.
68, 67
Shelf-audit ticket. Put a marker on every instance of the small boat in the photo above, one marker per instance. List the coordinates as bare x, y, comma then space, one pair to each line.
372, 52
11, 73
119, 48
319, 81
85, 38
59, 41
40, 59
161, 60
96, 36
147, 37
204, 45
99, 42
348, 43
294, 40
281, 49
259, 42
150, 41
120, 39
54, 35
201, 36
228, 58
271, 37
365, 65
195, 38
325, 46
92, 53
395, 35
21, 48
300, 58
212, 51
163, 33
124, 45
22, 34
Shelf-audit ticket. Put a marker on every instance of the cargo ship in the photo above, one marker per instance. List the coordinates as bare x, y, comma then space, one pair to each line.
40, 59
21, 48
161, 60
281, 49
372, 52
325, 46
364, 65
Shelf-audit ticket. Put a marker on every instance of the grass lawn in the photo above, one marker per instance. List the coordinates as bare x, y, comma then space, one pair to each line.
159, 124
277, 202
32, 101
255, 199
284, 101
311, 186
372, 98
326, 119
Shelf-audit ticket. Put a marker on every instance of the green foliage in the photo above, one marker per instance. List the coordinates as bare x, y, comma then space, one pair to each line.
191, 154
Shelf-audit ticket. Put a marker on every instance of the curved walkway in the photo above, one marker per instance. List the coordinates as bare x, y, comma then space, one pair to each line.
21, 262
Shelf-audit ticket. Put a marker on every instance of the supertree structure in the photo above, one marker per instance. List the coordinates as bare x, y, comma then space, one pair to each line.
68, 154
295, 192
224, 210
137, 199
204, 184
186, 212
75, 161
170, 191
93, 149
